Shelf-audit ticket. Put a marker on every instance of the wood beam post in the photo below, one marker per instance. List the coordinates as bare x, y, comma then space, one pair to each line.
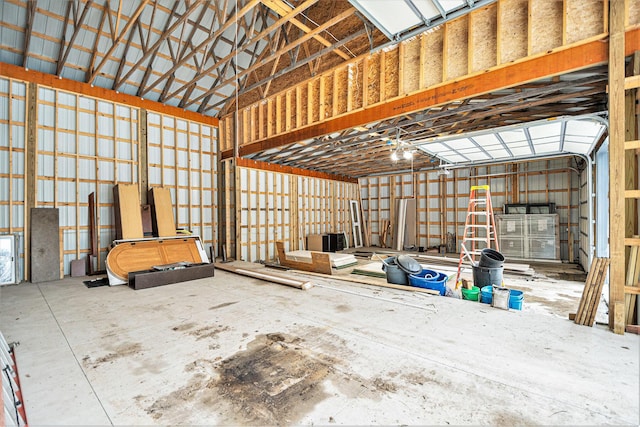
616, 166
31, 172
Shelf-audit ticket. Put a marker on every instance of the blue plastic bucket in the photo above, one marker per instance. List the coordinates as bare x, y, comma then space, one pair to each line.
516, 299
486, 294
429, 279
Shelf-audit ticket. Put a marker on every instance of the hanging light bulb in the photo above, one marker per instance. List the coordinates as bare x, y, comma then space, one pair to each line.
407, 155
394, 156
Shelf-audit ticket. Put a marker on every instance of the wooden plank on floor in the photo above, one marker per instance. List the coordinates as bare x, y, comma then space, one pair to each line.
320, 262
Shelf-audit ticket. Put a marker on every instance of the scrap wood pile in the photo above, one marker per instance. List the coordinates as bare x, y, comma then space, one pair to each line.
590, 300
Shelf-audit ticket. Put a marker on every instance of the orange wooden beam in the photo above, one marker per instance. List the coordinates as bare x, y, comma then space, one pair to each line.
50, 80
554, 63
255, 164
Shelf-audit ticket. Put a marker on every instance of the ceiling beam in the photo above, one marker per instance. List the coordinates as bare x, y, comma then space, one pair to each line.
283, 9
562, 61
167, 31
92, 73
287, 48
31, 14
231, 19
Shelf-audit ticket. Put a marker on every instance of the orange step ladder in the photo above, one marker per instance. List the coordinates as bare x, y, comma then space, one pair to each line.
479, 227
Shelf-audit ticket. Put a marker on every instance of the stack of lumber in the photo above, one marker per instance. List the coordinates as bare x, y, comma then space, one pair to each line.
338, 260
633, 270
588, 307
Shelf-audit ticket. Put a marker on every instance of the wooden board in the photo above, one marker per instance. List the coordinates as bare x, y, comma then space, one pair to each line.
45, 245
320, 262
162, 219
267, 276
128, 257
376, 282
128, 221
588, 306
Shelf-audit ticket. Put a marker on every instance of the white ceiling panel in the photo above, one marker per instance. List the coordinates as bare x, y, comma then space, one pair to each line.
400, 19
510, 143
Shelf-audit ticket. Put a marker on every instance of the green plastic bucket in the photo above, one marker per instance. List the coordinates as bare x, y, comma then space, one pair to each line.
471, 294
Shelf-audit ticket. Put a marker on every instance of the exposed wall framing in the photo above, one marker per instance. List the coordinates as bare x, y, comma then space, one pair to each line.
485, 39
82, 145
442, 200
273, 206
182, 157
13, 99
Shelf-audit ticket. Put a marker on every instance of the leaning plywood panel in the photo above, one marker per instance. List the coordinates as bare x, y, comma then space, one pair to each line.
45, 245
162, 220
128, 218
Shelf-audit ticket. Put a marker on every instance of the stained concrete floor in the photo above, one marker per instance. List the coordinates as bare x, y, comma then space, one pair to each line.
235, 351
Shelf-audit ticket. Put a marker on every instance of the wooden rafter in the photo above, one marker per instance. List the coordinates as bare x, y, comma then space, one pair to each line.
230, 21
148, 70
282, 9
99, 31
63, 37
255, 39
290, 46
132, 19
32, 7
166, 33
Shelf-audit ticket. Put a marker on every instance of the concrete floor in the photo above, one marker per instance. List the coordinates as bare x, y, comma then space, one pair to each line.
234, 350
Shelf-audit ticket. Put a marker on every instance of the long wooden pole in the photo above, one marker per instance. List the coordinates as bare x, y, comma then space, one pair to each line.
616, 167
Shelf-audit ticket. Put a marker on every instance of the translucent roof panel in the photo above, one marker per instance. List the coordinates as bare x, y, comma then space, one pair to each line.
399, 19
544, 138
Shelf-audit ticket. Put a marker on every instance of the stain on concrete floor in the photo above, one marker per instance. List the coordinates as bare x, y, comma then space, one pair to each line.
274, 381
121, 351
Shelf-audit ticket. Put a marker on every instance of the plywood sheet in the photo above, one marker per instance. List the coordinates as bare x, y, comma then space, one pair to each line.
457, 46
45, 245
433, 57
411, 69
162, 212
391, 76
584, 19
546, 25
483, 39
128, 220
512, 21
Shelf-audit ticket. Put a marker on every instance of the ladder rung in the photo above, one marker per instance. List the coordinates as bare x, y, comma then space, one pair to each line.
478, 200
478, 213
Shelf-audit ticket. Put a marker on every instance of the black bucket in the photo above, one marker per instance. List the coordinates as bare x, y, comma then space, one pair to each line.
490, 258
487, 276
395, 274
